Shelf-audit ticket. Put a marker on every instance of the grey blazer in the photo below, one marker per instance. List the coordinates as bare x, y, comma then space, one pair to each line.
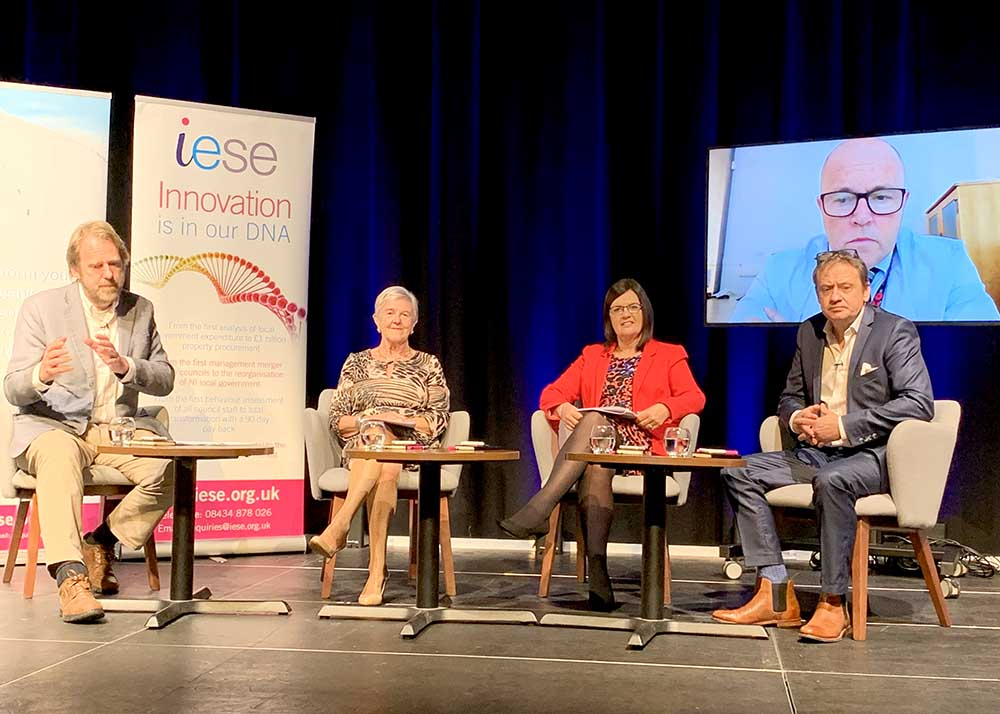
895, 385
69, 402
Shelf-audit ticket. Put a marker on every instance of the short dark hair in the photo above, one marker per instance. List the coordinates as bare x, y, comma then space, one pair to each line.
616, 291
850, 256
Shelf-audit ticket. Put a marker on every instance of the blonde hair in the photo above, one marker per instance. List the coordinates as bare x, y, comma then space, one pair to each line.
393, 292
98, 229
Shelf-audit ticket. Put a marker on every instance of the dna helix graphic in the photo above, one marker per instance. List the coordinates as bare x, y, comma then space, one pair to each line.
235, 280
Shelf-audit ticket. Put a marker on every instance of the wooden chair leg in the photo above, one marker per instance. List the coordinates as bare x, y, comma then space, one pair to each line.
926, 559
105, 506
152, 567
15, 539
550, 551
859, 580
330, 563
34, 538
447, 560
412, 570
666, 569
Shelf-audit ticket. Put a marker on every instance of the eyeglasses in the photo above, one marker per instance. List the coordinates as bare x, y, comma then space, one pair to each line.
633, 309
831, 254
881, 202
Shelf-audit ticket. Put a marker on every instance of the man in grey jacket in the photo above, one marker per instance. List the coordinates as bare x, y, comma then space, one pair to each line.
857, 372
82, 354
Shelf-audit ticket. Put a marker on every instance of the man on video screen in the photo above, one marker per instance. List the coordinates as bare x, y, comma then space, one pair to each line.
862, 195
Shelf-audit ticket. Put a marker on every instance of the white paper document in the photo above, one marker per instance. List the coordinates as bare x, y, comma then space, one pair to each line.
620, 412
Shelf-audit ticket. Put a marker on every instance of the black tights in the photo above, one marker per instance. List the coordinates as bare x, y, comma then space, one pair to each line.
594, 491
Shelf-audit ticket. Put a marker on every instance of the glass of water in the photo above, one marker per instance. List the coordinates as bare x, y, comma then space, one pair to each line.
372, 434
122, 431
602, 439
677, 441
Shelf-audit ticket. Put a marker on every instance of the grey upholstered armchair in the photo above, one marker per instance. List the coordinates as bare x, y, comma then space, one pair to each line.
919, 457
328, 481
624, 488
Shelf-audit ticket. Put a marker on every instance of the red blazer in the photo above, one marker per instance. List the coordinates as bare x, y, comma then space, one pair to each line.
663, 375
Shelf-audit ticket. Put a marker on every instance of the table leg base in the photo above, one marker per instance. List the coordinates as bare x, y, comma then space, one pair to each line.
166, 611
417, 618
127, 605
643, 631
360, 612
179, 608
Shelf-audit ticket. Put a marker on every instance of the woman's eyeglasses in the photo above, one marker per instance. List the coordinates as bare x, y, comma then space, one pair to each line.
633, 309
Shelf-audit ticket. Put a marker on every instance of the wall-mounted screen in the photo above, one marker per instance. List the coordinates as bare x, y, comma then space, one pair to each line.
922, 211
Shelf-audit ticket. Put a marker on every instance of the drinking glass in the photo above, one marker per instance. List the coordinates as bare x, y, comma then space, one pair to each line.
372, 434
602, 439
677, 441
122, 431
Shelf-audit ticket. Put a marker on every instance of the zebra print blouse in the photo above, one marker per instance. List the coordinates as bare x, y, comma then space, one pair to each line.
415, 387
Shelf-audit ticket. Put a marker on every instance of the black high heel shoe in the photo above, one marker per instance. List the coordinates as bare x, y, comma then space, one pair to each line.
508, 526
601, 596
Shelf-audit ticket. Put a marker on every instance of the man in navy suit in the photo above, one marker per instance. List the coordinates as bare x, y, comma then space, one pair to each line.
857, 372
81, 356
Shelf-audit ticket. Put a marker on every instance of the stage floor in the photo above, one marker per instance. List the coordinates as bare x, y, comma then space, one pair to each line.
298, 663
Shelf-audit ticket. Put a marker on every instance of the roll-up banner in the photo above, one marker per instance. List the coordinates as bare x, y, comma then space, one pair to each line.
53, 177
220, 245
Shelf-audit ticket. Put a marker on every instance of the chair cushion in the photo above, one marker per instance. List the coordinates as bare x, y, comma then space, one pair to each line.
335, 480
93, 476
632, 486
799, 495
880, 504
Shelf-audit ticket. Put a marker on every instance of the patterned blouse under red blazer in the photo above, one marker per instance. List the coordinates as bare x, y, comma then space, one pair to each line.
663, 375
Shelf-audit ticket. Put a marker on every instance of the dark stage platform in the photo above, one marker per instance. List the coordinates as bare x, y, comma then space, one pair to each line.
299, 663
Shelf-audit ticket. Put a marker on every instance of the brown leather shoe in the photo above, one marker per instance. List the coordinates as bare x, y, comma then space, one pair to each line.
771, 605
76, 602
829, 623
98, 559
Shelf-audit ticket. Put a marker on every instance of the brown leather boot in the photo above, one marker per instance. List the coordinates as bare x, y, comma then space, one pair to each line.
830, 622
771, 605
98, 559
76, 602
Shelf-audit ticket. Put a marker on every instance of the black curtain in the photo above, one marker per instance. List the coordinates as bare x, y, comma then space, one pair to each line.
508, 161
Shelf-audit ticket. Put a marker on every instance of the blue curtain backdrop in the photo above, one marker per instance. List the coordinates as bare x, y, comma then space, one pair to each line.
507, 161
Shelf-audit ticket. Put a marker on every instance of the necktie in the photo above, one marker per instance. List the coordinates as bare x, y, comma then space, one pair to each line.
876, 279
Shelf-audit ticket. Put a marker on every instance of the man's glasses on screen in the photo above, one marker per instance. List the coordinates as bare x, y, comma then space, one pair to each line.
881, 202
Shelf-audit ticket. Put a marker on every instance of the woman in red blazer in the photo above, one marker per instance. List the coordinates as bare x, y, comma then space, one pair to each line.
631, 370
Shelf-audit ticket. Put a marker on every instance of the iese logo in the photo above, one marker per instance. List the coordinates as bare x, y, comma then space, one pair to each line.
262, 158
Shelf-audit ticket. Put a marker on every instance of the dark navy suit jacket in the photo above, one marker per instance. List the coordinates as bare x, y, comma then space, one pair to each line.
888, 381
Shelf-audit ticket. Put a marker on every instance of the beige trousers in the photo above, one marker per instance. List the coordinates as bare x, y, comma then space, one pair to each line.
57, 459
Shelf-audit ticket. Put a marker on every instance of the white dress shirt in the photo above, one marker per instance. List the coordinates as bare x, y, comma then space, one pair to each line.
107, 385
835, 374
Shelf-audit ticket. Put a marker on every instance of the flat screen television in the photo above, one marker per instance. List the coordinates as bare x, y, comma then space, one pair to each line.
922, 210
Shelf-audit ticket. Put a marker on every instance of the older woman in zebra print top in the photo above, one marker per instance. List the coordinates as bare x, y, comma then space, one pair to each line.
403, 388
